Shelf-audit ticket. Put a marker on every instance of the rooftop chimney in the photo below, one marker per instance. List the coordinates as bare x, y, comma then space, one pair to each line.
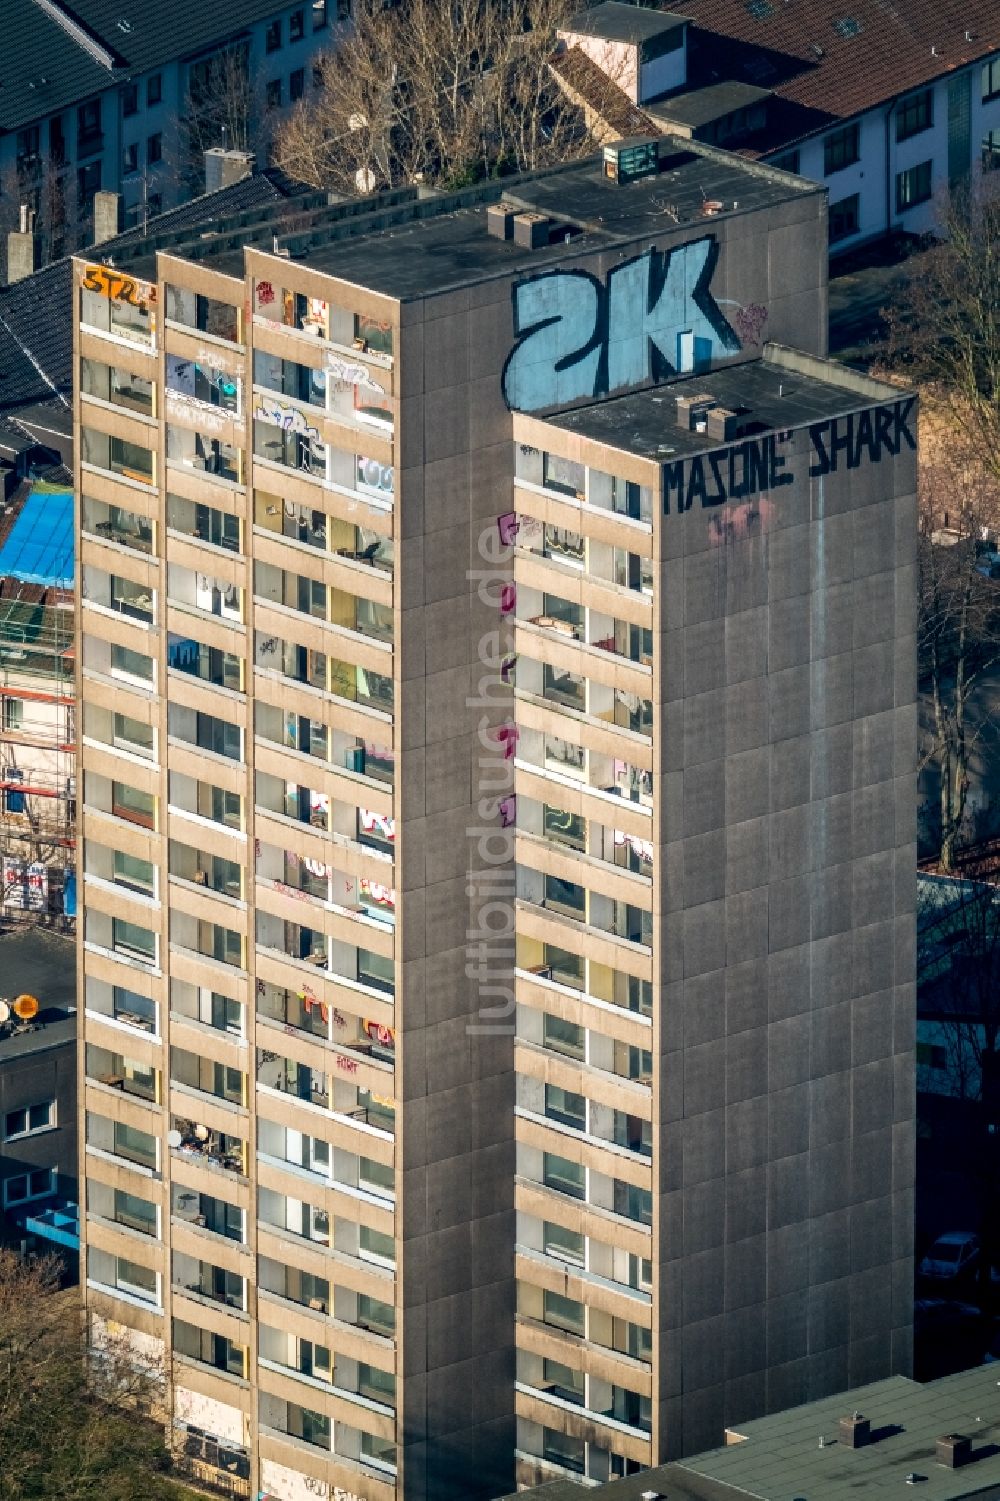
855, 1431
953, 1450
108, 221
531, 231
692, 412
500, 221
223, 168
23, 251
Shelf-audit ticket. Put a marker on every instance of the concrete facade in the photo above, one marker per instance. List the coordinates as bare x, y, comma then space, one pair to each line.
318, 984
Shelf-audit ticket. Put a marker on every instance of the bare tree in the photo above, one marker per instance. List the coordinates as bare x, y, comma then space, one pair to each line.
958, 981
445, 92
226, 107
70, 1426
959, 617
944, 321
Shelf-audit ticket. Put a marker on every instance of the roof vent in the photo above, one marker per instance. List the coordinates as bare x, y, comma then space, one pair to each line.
970, 36
816, 49
935, 52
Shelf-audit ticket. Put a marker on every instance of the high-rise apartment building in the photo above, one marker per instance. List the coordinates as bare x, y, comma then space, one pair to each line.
496, 667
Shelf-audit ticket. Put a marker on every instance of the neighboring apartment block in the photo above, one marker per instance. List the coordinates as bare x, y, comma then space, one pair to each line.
887, 106
496, 681
125, 99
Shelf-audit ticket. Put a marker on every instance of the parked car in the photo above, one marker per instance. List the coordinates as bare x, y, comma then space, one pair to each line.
951, 1257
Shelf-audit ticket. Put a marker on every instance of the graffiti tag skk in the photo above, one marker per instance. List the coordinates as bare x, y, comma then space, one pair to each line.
653, 317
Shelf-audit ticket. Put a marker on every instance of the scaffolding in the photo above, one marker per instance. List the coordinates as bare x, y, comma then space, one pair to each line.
37, 717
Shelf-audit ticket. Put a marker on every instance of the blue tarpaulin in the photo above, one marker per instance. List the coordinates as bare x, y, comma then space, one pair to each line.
69, 894
39, 549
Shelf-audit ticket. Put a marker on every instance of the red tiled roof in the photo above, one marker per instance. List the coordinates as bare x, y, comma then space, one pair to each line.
596, 91
836, 58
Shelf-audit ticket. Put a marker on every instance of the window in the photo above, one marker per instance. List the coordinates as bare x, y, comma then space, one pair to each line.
374, 333
318, 14
131, 939
27, 146
131, 664
564, 1176
133, 804
562, 1381
296, 84
844, 218
564, 1450
788, 162
133, 1009
131, 734
88, 123
134, 873
29, 1119
130, 158
915, 114
931, 1055
568, 1245
154, 89
913, 187
991, 151
296, 26
27, 1186
130, 99
13, 713
132, 1278
272, 37
566, 1106
562, 1036
274, 94
563, 1313
991, 79
132, 1144
841, 149
88, 182
154, 148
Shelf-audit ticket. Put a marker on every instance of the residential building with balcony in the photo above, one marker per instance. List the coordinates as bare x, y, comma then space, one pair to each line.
126, 104
889, 109
423, 669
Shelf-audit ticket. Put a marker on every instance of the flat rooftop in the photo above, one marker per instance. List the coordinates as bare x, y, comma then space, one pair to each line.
409, 247
781, 390
43, 964
618, 22
779, 1458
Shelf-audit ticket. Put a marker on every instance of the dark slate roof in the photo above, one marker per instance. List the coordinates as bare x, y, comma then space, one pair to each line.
49, 66
617, 22
36, 321
832, 59
44, 67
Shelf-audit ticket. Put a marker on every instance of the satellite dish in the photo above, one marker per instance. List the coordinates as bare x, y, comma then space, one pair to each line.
4, 1012
26, 1007
201, 1132
174, 1138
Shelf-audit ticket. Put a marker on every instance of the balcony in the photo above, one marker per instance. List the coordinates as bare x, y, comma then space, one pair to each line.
200, 1144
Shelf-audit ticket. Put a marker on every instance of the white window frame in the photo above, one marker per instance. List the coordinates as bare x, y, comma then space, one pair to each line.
11, 1202
29, 1130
